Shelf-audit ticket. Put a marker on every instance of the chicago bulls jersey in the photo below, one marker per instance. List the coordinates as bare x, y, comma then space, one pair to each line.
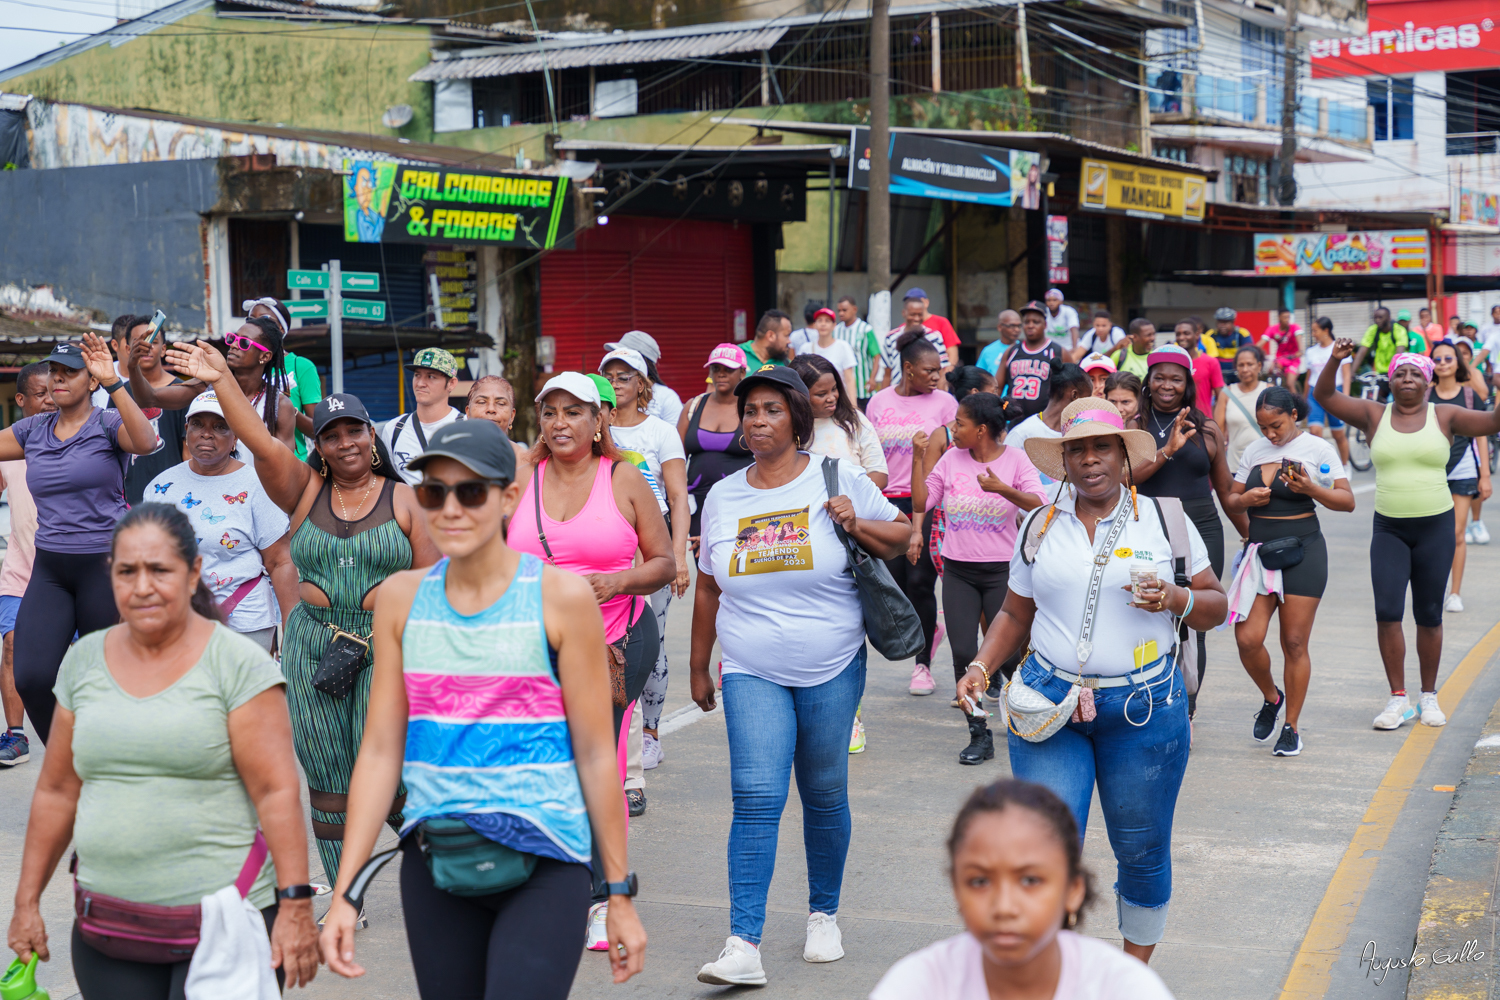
1024, 379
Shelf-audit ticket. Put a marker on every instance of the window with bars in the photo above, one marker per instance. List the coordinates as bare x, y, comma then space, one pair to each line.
1473, 112
1246, 179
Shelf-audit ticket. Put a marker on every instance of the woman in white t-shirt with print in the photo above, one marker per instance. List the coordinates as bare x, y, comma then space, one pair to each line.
1131, 736
655, 440
242, 533
1014, 860
1277, 487
775, 590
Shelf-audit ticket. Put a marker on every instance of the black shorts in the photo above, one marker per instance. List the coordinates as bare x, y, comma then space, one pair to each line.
1463, 487
1310, 576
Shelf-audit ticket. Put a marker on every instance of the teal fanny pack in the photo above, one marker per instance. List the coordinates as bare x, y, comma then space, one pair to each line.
467, 863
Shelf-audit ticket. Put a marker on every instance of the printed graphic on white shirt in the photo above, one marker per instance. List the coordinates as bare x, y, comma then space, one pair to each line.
772, 543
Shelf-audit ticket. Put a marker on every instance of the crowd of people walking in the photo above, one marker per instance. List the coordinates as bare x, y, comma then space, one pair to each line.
216, 573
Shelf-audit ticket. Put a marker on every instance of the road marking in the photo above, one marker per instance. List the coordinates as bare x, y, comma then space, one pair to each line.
686, 716
1312, 968
1366, 488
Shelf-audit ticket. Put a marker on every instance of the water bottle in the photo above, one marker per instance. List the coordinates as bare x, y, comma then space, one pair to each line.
1325, 476
19, 982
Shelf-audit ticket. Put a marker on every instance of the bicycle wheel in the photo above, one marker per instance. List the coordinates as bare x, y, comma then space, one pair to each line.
1359, 450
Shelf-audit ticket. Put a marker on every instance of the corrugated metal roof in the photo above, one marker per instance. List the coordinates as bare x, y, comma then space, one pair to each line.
605, 52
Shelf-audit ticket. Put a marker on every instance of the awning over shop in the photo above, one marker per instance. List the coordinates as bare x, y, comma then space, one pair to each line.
624, 49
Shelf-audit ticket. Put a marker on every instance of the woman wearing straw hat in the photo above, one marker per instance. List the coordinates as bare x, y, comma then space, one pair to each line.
1103, 702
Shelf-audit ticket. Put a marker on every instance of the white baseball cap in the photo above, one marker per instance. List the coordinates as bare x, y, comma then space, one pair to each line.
631, 357
204, 402
576, 383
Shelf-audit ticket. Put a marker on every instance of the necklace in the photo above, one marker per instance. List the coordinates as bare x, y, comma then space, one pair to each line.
1156, 426
363, 497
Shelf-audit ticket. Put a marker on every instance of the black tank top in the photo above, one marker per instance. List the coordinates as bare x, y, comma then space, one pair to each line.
1185, 474
1285, 502
712, 455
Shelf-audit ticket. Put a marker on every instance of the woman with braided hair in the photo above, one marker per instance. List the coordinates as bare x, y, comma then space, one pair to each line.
1118, 709
257, 359
354, 522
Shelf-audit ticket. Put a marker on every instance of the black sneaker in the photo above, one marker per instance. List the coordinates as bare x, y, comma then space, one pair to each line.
1290, 744
1265, 719
636, 799
981, 743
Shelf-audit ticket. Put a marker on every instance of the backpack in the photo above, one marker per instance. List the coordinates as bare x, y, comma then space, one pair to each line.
1173, 521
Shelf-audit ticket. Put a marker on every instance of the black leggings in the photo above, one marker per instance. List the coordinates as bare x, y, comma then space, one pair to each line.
523, 944
918, 582
68, 593
970, 588
1418, 550
1205, 517
103, 978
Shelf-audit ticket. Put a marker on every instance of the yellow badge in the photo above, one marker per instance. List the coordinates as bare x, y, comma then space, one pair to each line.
1124, 553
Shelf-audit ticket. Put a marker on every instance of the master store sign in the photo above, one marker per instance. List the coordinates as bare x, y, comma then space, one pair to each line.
403, 203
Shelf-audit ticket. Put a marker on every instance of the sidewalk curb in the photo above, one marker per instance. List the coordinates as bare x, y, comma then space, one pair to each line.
1454, 954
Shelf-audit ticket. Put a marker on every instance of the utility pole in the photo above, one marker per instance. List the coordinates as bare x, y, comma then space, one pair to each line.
1286, 176
879, 194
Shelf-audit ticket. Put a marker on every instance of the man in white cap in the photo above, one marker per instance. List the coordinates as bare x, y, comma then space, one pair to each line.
434, 373
1062, 322
665, 403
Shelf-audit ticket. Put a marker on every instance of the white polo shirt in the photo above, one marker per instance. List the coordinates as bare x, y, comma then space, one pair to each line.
1058, 581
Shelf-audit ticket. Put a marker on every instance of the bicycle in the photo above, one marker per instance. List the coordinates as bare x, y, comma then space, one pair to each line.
1372, 386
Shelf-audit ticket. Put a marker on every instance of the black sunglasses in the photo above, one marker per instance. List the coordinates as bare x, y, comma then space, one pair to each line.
432, 494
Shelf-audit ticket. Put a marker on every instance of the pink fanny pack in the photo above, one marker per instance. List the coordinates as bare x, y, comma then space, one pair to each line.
145, 932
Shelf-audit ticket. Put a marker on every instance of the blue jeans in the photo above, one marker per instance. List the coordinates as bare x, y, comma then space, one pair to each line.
771, 730
1138, 768
1317, 415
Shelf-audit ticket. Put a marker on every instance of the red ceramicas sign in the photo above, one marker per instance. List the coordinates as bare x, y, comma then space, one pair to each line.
1414, 36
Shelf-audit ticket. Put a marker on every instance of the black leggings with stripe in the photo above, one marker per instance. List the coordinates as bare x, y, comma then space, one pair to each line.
69, 593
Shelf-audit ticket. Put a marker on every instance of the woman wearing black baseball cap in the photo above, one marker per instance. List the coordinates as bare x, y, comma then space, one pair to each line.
488, 677
354, 523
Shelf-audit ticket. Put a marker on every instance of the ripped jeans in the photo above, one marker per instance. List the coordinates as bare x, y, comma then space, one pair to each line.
1138, 769
654, 694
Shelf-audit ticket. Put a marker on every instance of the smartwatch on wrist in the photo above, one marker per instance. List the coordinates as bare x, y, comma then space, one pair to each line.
629, 887
116, 384
303, 891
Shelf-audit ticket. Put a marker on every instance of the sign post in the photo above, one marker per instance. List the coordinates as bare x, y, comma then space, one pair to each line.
335, 327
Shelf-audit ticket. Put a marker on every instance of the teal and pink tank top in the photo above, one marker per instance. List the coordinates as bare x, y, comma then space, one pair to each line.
487, 739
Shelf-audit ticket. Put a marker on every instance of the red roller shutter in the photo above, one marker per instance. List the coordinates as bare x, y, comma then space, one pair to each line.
680, 281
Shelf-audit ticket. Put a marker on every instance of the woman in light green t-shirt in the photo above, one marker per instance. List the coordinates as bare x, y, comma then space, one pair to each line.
171, 738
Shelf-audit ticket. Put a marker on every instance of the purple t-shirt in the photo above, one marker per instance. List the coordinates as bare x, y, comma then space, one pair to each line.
78, 484
897, 418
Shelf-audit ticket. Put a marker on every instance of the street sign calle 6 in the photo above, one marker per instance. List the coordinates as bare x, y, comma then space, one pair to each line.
306, 308
307, 279
367, 309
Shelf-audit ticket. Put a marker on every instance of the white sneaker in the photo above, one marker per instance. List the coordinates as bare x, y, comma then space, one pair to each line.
1397, 711
824, 942
738, 965
1432, 715
1453, 603
1481, 533
651, 753
1469, 535
597, 938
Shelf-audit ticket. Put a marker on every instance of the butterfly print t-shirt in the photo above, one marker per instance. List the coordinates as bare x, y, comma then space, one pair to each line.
78, 484
234, 520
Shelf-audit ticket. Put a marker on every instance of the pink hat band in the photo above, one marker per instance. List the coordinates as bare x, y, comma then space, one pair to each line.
1099, 416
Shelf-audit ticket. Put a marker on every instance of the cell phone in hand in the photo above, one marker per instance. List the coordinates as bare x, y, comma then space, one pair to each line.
157, 319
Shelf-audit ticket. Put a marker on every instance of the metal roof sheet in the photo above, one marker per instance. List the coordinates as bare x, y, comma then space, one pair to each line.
602, 53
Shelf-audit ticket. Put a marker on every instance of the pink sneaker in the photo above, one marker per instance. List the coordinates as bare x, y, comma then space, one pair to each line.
937, 639
921, 680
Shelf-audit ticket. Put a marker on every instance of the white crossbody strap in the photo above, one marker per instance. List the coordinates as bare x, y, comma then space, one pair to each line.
1101, 560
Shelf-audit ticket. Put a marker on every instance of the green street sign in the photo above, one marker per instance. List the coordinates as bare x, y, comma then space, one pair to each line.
307, 279
370, 309
359, 281
307, 308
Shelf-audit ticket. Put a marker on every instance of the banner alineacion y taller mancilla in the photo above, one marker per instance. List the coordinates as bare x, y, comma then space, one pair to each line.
388, 202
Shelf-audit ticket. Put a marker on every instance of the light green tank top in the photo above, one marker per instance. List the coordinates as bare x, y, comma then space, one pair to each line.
1411, 478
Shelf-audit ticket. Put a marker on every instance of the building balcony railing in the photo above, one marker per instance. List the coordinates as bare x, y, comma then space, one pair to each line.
1254, 102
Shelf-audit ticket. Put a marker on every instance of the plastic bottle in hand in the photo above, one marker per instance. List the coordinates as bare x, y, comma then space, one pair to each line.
19, 982
1325, 477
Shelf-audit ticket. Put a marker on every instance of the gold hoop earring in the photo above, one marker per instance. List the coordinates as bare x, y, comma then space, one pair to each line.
323, 469
374, 458
1072, 920
598, 436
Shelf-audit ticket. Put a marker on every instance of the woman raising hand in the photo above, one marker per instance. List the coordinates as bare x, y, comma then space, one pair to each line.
354, 523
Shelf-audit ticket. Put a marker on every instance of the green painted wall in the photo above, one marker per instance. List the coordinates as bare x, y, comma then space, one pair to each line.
273, 72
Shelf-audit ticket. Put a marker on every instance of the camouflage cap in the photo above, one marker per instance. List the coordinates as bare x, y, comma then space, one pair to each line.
435, 358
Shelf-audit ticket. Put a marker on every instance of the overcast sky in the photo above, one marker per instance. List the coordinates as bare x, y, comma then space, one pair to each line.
30, 27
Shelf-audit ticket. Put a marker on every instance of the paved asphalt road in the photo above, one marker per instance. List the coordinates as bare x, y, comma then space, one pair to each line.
1259, 841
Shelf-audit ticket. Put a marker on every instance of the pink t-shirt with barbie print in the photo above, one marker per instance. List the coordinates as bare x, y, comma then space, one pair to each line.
897, 418
981, 526
953, 969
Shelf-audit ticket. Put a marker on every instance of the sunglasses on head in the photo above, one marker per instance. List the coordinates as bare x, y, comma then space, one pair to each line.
244, 343
432, 494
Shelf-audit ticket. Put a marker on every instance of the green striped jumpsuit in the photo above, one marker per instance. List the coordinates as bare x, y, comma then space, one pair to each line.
346, 560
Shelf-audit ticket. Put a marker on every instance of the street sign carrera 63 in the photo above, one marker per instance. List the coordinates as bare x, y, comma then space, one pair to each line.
403, 203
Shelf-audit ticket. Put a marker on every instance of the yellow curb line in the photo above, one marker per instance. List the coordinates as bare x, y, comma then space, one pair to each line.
1311, 971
